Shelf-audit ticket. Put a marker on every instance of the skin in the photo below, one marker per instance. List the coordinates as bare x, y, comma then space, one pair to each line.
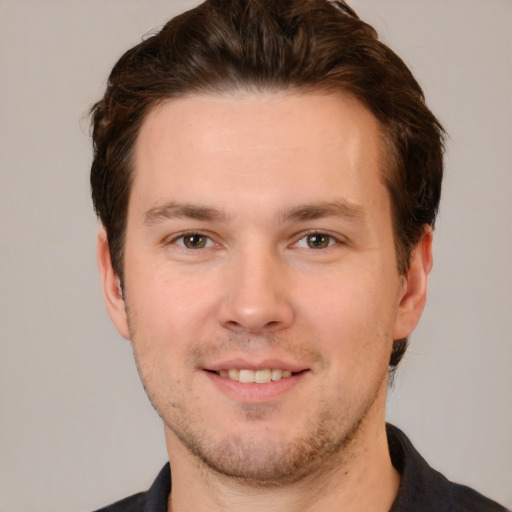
293, 267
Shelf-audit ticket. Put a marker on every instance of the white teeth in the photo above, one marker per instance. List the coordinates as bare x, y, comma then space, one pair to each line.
277, 374
262, 376
246, 376
258, 376
233, 374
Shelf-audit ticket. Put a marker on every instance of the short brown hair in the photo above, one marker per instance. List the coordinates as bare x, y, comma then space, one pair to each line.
296, 45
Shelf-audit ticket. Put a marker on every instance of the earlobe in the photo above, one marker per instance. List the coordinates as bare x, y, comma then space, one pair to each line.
112, 290
414, 292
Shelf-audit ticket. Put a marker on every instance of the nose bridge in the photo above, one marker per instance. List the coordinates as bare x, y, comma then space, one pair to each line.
255, 297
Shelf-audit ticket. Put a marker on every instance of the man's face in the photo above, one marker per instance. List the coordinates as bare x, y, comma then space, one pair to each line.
259, 246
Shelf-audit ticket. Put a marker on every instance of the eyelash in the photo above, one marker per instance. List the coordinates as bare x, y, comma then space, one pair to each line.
208, 241
332, 240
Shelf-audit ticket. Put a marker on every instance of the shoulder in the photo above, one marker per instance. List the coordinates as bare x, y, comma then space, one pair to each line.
154, 500
423, 489
133, 503
469, 500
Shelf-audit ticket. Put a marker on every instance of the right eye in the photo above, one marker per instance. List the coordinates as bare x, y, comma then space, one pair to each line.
193, 241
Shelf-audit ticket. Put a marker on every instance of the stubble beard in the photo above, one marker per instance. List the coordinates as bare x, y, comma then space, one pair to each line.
322, 449
324, 446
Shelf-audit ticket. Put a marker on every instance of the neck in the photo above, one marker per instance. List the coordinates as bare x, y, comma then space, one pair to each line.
360, 478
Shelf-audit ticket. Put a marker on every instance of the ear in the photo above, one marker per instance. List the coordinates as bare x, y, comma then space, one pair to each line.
111, 286
414, 289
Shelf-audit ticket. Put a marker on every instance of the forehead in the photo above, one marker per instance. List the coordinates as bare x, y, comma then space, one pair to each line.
274, 145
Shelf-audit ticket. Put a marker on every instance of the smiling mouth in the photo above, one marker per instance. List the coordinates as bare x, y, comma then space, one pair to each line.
256, 376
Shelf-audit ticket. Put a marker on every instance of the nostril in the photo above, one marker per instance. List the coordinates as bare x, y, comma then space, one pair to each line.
233, 326
254, 314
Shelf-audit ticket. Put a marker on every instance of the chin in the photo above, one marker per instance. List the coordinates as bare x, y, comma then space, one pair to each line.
256, 457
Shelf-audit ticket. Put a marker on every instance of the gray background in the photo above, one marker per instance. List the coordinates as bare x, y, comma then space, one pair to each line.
76, 430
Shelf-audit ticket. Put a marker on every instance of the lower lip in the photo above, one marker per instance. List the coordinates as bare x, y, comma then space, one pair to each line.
252, 392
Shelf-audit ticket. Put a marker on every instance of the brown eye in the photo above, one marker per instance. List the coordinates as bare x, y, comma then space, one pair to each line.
318, 241
195, 241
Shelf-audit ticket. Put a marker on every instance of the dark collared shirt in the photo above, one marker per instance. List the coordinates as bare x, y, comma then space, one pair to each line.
422, 489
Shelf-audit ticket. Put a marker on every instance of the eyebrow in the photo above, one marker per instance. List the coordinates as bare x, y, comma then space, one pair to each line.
174, 210
340, 208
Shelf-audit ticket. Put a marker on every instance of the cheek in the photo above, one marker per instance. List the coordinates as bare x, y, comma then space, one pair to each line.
169, 306
352, 316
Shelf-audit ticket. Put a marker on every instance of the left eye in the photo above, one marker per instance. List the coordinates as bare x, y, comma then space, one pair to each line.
194, 241
316, 241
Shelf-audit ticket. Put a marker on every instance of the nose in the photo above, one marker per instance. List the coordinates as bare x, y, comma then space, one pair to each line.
256, 298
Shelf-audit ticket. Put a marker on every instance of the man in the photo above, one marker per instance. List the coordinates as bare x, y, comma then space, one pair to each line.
268, 176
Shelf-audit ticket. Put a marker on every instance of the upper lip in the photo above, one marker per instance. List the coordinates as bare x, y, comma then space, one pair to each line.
254, 364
